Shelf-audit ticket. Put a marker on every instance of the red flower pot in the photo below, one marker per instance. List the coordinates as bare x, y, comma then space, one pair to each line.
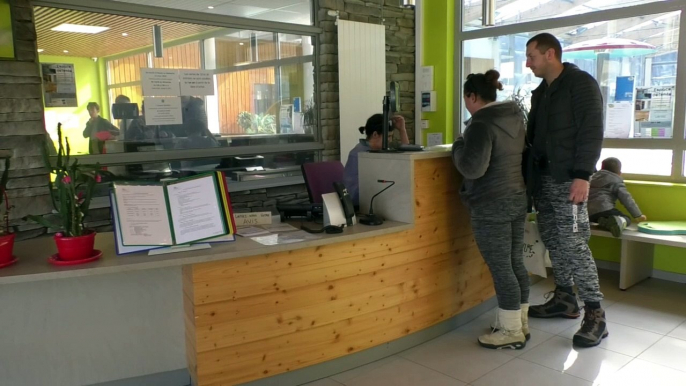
75, 248
6, 246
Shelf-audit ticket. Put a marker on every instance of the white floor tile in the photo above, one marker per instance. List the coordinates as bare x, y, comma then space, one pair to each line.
457, 357
642, 373
350, 374
401, 372
670, 352
537, 338
658, 315
323, 382
522, 373
592, 364
679, 332
554, 325
622, 339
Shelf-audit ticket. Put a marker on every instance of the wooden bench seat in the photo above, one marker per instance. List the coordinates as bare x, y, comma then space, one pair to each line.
636, 263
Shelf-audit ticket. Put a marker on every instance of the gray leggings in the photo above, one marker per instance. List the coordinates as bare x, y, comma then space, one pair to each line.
499, 232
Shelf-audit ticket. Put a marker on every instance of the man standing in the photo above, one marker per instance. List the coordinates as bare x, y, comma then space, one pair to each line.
566, 131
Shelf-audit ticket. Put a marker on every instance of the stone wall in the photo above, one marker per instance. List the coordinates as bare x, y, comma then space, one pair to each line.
21, 123
400, 59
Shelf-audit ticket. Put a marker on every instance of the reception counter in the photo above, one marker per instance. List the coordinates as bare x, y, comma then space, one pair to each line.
242, 311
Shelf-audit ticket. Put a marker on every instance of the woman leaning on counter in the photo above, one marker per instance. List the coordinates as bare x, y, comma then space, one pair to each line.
489, 156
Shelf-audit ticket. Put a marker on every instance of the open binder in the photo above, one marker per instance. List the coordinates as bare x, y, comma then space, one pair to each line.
177, 212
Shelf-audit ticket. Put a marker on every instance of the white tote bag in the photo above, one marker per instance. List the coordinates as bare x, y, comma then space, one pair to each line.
535, 254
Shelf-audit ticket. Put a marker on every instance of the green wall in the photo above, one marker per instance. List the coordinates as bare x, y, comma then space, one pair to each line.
660, 202
438, 42
88, 89
6, 37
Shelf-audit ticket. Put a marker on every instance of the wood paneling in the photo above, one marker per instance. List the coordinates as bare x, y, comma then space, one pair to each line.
264, 315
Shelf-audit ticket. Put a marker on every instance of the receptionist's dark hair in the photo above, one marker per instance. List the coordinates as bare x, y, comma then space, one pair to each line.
485, 86
93, 105
374, 125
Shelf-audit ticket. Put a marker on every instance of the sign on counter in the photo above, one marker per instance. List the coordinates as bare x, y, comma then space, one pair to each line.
163, 111
196, 82
159, 82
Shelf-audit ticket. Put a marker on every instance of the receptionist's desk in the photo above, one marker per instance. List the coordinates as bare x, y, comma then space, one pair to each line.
244, 311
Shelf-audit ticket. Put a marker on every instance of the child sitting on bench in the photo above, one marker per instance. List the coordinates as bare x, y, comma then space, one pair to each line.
607, 186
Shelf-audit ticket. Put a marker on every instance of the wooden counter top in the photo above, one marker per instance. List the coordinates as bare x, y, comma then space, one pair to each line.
33, 254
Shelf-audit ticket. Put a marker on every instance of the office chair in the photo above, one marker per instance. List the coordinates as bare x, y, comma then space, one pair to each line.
319, 178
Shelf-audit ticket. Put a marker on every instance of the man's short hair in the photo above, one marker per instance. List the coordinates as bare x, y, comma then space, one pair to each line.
546, 41
612, 165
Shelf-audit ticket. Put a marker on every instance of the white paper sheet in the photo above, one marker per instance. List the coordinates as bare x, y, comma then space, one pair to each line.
163, 111
287, 238
143, 215
619, 119
160, 82
195, 210
196, 82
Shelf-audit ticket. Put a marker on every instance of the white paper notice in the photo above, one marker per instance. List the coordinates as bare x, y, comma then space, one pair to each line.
143, 215
158, 82
252, 218
426, 78
195, 210
619, 120
196, 82
163, 111
434, 139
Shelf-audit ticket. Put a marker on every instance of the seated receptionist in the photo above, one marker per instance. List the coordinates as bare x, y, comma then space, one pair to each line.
373, 131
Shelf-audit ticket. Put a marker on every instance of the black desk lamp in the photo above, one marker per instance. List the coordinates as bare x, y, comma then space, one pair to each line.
371, 218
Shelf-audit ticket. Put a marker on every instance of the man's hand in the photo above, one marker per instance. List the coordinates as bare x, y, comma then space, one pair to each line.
641, 219
578, 193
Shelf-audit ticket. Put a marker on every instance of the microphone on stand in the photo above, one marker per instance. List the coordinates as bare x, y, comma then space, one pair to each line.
371, 218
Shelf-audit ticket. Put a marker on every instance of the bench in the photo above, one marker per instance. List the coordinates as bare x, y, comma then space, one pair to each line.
636, 263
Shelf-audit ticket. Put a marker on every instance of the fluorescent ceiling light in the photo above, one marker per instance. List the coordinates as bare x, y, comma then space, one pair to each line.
84, 29
124, 34
40, 50
65, 51
210, 7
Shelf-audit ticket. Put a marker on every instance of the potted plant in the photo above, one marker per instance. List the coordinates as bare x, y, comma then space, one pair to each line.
6, 234
245, 121
71, 195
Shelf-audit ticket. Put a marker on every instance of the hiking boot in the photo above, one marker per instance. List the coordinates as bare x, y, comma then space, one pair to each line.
560, 305
614, 224
525, 322
593, 328
510, 333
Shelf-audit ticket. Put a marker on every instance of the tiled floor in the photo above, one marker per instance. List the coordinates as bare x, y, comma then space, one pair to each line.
646, 346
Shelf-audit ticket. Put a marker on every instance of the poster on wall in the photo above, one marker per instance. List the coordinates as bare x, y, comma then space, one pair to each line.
163, 111
196, 82
6, 38
157, 82
59, 85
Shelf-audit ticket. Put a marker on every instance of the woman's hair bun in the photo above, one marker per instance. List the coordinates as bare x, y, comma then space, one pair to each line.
492, 77
361, 129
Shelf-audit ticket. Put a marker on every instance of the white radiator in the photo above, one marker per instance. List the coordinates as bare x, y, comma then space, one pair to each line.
361, 78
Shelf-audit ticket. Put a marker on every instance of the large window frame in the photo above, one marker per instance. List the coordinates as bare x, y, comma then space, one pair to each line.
229, 22
677, 144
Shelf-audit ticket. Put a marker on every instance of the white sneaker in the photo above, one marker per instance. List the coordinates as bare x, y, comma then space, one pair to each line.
495, 326
509, 335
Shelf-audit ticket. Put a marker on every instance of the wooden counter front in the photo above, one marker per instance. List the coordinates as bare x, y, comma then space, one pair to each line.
259, 316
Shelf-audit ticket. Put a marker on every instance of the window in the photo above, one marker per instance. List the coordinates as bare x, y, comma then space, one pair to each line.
520, 11
261, 116
637, 74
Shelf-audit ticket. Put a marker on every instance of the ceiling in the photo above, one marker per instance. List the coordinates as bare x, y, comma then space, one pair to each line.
285, 11
139, 30
105, 43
